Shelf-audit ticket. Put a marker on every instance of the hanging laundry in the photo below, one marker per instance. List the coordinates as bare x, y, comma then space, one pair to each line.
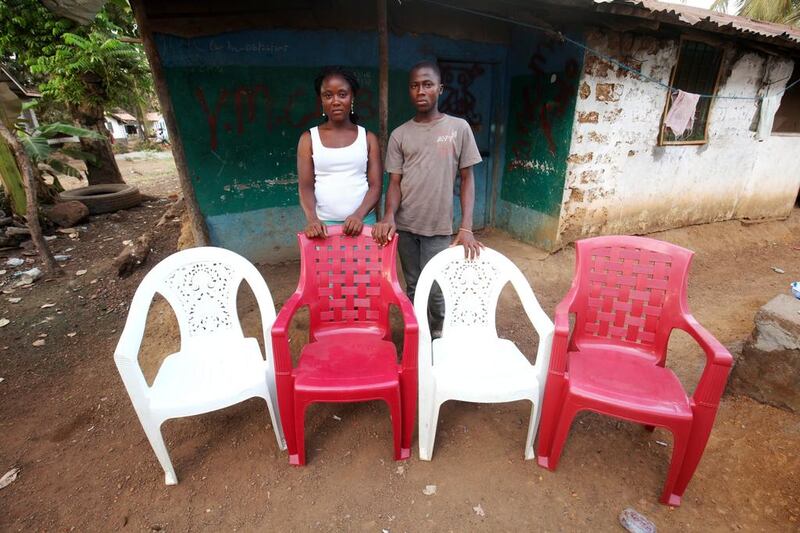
680, 116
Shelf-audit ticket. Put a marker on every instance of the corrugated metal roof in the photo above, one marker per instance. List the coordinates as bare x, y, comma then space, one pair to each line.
124, 117
14, 85
81, 11
704, 19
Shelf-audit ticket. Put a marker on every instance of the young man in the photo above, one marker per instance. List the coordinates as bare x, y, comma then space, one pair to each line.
422, 158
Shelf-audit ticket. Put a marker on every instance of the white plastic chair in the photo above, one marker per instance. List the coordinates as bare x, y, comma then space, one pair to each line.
216, 366
470, 362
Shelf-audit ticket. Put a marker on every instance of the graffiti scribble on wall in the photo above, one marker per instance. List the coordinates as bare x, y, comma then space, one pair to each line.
277, 112
458, 99
541, 106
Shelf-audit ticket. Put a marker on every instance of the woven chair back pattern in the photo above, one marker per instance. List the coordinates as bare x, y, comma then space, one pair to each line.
626, 291
346, 276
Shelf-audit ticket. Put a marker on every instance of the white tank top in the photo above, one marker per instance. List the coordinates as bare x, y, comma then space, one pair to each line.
340, 176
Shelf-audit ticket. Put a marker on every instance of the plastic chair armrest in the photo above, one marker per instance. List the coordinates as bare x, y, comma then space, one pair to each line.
410, 327
716, 353
558, 356
718, 366
280, 329
126, 356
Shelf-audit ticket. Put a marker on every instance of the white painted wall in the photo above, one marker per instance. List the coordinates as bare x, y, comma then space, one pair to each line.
116, 128
620, 181
159, 130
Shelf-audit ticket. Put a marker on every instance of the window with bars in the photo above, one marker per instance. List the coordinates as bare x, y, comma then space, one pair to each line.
697, 72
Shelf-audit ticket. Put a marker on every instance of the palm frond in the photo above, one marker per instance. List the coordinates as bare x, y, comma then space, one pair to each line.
59, 128
64, 168
75, 153
36, 147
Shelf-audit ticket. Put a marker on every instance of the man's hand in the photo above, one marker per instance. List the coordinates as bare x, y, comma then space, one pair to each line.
315, 229
352, 225
384, 231
472, 247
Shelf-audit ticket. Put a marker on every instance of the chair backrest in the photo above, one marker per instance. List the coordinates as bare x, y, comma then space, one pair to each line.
344, 280
201, 286
471, 289
628, 290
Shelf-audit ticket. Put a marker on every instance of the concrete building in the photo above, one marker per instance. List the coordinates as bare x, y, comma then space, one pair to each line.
573, 142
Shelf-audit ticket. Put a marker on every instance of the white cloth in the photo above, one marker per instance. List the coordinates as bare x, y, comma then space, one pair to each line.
766, 117
340, 176
680, 116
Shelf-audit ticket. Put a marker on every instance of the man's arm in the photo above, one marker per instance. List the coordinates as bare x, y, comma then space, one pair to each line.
464, 236
384, 231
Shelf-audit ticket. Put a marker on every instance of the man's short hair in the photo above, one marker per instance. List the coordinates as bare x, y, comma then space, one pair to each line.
428, 64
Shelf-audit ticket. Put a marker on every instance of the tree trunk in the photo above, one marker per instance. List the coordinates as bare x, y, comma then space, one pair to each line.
141, 114
104, 168
12, 179
141, 118
31, 174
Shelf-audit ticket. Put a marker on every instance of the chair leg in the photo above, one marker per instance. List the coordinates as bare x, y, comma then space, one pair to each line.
408, 397
153, 432
551, 406
427, 428
703, 421
680, 441
274, 415
299, 457
532, 427
396, 413
568, 413
285, 386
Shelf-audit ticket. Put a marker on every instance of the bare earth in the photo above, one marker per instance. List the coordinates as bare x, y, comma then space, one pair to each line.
67, 422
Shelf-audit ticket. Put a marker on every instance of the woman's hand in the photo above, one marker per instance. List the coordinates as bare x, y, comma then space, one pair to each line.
315, 229
353, 225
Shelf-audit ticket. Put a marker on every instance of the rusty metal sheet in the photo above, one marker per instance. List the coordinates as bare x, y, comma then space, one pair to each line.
704, 19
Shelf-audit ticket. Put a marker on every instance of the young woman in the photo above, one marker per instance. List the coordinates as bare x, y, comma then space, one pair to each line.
338, 162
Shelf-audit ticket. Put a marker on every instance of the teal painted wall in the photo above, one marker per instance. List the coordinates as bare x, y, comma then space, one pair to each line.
543, 83
241, 101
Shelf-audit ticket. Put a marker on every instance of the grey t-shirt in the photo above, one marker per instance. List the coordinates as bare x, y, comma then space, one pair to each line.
429, 155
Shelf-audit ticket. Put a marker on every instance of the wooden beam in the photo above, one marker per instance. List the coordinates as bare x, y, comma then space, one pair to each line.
199, 229
383, 82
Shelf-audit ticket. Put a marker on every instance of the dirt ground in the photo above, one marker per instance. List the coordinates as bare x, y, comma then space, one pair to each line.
67, 423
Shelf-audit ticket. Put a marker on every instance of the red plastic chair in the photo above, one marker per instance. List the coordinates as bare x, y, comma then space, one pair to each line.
348, 284
627, 295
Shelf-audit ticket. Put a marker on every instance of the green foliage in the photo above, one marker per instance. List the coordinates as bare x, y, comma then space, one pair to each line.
96, 69
76, 64
779, 11
46, 155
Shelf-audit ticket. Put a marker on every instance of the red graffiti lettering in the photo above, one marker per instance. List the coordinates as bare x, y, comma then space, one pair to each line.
211, 117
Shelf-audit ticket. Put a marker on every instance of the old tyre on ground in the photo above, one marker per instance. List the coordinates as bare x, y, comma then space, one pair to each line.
104, 198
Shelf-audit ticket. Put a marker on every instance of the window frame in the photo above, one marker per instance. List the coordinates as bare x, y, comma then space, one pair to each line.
795, 75
662, 140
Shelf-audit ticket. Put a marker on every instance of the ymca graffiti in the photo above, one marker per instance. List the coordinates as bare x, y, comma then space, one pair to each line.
245, 110
545, 100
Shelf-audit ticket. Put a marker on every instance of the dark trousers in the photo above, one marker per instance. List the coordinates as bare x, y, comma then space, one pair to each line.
415, 251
